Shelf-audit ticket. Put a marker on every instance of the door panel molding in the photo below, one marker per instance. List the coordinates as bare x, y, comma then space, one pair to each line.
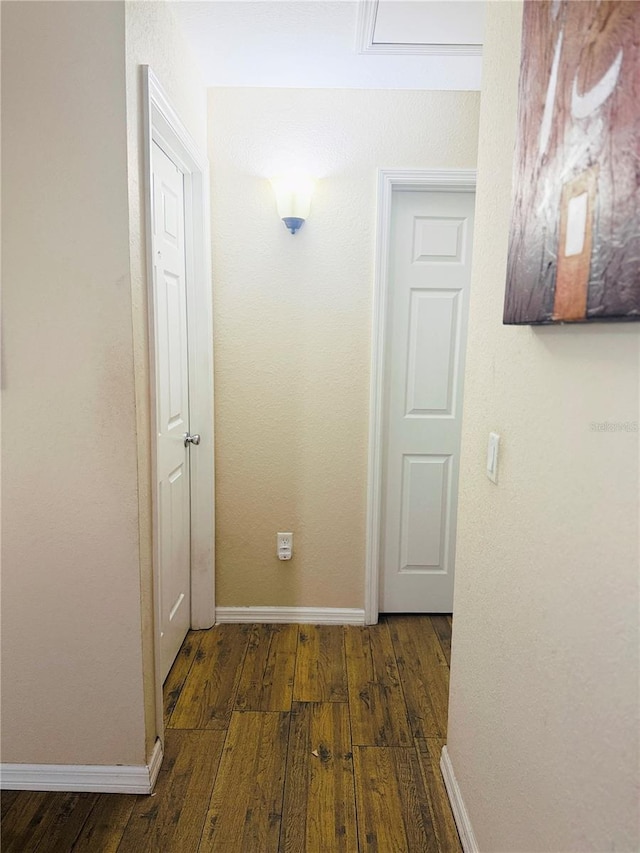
163, 126
440, 180
417, 540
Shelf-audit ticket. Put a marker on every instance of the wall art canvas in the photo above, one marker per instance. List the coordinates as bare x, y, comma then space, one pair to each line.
574, 245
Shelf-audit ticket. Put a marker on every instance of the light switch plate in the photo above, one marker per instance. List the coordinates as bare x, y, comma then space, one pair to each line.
492, 457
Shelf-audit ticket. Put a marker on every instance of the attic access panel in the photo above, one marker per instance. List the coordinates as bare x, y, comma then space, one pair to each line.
438, 27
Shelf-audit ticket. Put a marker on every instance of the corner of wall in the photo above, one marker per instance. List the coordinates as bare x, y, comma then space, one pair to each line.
545, 639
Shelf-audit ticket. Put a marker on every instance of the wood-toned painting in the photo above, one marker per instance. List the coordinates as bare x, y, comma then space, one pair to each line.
574, 245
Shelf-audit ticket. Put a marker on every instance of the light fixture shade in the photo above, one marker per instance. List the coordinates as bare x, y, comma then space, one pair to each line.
293, 198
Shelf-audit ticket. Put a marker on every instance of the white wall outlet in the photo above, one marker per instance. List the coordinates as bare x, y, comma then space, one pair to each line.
492, 457
284, 543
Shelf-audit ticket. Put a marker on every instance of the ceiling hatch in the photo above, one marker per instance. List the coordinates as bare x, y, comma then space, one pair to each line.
436, 27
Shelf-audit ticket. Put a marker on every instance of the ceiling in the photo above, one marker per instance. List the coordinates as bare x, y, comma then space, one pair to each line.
336, 43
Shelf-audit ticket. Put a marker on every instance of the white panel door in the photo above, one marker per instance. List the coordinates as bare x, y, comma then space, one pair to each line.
172, 405
429, 275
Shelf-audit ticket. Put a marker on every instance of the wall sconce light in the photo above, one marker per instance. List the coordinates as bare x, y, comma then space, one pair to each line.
293, 197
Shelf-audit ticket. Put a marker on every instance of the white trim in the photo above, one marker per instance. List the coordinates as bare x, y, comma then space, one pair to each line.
116, 779
460, 813
366, 24
365, 31
444, 180
296, 615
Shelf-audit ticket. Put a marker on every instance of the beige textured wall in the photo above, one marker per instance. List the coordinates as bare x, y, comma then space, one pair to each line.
293, 324
77, 656
71, 655
543, 729
154, 39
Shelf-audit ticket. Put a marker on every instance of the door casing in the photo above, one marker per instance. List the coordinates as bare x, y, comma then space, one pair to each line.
441, 180
163, 125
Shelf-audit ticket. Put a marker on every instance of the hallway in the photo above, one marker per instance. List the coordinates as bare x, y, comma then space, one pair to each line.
279, 738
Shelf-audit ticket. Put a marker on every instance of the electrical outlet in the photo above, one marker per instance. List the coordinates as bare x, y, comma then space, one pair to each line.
284, 545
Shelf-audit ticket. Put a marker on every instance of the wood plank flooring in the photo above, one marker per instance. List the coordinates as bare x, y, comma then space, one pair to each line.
279, 739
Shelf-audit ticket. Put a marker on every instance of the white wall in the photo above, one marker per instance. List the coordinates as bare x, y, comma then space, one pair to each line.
543, 726
293, 324
71, 641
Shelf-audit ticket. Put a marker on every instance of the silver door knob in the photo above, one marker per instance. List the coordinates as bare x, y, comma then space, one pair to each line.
191, 439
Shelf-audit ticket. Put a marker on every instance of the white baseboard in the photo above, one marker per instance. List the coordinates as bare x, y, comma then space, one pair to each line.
301, 615
460, 813
116, 779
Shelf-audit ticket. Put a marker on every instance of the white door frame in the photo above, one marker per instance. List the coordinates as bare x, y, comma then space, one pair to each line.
437, 180
163, 125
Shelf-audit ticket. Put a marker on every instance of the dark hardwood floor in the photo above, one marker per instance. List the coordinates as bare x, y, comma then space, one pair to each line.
279, 738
